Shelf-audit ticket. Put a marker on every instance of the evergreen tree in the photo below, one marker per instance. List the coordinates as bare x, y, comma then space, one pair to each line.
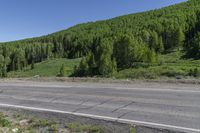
179, 38
1, 64
83, 68
122, 51
106, 67
160, 48
154, 44
194, 48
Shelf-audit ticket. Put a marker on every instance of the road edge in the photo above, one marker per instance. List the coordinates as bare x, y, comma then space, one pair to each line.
120, 124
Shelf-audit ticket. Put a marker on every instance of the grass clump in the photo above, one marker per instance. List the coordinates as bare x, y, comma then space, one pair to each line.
4, 122
76, 127
132, 130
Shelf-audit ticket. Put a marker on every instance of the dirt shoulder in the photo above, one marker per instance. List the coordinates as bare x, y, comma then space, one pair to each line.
103, 82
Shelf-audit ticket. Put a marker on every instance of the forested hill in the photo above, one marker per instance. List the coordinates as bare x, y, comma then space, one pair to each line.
115, 44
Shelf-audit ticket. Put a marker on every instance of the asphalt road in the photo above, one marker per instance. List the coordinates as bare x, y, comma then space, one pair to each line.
167, 106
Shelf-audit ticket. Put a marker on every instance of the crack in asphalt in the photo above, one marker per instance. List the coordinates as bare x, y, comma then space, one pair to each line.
80, 105
56, 98
90, 107
122, 107
124, 114
85, 101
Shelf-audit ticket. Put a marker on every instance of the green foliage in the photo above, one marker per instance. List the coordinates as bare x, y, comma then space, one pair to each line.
194, 72
62, 71
49, 68
32, 65
132, 130
169, 66
100, 62
107, 66
4, 71
179, 37
3, 121
76, 127
83, 68
128, 51
114, 44
39, 125
194, 47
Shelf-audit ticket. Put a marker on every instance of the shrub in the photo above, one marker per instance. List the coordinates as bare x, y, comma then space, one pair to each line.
62, 71
4, 122
194, 72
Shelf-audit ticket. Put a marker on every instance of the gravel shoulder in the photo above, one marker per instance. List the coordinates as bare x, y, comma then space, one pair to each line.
104, 83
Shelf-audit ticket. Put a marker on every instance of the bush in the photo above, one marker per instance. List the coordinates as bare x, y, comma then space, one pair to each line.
32, 65
194, 72
4, 122
62, 71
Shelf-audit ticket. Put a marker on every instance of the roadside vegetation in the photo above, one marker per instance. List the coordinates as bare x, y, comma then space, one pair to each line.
172, 65
49, 68
20, 124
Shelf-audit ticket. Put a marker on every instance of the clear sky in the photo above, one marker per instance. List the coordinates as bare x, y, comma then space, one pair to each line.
30, 18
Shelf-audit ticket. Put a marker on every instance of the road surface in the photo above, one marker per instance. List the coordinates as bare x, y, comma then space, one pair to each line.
170, 106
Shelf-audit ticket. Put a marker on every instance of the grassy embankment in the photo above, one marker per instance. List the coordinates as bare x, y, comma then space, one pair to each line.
20, 124
49, 68
171, 65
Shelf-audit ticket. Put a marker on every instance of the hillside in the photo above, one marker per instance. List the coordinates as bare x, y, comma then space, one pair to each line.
49, 68
110, 46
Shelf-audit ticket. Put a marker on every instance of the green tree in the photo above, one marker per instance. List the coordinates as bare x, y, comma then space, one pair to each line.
83, 68
106, 63
194, 47
160, 47
179, 37
154, 44
122, 51
107, 66
1, 64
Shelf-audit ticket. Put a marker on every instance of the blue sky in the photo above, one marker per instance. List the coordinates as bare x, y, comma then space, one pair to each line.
30, 18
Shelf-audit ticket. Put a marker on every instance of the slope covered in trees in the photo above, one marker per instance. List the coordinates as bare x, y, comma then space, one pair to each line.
115, 44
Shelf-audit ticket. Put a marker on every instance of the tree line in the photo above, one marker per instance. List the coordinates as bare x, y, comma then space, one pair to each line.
112, 45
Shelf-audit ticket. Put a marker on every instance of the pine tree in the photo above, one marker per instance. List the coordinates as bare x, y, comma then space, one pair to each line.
1, 64
107, 66
179, 38
160, 48
83, 67
194, 47
122, 51
154, 41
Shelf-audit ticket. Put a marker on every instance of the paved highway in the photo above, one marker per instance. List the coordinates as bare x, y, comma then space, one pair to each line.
167, 106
